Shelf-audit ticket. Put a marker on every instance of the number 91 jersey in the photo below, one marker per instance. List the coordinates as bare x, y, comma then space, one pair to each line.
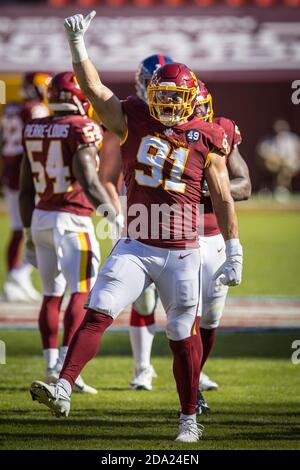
163, 169
50, 145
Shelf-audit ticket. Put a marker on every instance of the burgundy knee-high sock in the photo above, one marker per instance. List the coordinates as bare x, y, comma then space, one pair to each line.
74, 315
13, 251
49, 321
208, 338
84, 344
187, 355
136, 319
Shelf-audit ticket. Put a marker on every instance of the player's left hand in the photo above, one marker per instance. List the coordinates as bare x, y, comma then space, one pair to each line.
77, 25
30, 253
230, 273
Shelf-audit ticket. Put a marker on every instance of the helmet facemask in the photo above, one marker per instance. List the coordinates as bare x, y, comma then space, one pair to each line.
171, 104
204, 109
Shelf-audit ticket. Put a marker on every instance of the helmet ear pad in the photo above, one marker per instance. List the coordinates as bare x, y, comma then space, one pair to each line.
173, 78
64, 94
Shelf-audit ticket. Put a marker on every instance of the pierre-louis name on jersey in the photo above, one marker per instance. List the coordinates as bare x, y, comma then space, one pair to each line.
234, 139
15, 115
164, 165
50, 145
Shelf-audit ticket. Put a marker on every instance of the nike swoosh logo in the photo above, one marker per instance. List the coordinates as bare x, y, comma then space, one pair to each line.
184, 256
219, 250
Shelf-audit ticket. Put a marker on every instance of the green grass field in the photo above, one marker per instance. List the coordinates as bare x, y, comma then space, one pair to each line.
271, 249
256, 407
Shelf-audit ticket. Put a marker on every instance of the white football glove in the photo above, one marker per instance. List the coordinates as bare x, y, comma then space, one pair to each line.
75, 27
29, 249
116, 228
115, 220
230, 273
204, 189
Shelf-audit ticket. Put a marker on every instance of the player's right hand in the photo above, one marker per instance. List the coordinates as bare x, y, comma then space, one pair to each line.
204, 189
77, 25
29, 249
116, 228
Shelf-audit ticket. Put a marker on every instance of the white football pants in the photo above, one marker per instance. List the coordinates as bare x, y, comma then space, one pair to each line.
133, 266
66, 259
213, 293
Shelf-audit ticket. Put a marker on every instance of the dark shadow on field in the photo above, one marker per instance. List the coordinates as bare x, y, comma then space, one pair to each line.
142, 429
256, 344
119, 437
37, 426
245, 409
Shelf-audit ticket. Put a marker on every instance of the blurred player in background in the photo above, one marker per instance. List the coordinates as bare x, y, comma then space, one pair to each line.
280, 156
18, 285
61, 167
178, 152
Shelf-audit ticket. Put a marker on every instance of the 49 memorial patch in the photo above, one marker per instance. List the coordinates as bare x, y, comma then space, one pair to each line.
192, 135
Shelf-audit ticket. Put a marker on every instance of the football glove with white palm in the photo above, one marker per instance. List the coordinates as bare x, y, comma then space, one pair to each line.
230, 273
75, 27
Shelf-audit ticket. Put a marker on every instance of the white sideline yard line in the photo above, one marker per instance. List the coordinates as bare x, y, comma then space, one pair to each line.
264, 312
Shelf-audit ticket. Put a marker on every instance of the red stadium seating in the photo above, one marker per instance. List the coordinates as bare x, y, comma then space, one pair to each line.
175, 3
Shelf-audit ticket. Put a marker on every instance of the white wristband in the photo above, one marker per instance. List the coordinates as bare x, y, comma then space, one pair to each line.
78, 50
233, 247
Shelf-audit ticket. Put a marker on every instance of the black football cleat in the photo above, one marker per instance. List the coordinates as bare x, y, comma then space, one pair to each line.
201, 406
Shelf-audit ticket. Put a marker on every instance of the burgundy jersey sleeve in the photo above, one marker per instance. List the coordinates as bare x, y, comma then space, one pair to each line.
232, 131
216, 139
137, 112
135, 108
86, 133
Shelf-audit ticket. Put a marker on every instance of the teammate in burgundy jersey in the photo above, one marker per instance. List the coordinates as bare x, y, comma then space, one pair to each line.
212, 244
18, 286
165, 162
60, 172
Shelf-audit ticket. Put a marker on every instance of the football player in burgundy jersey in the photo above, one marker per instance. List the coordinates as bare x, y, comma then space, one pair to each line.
60, 167
213, 256
142, 322
165, 157
212, 246
18, 286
